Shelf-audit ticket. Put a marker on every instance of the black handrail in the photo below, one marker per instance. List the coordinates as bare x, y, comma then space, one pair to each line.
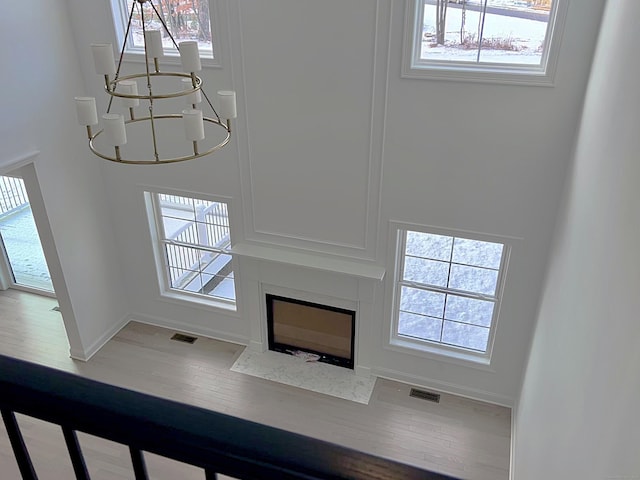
213, 441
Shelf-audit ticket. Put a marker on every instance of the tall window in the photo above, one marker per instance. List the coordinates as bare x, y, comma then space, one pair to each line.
185, 19
448, 291
193, 247
499, 37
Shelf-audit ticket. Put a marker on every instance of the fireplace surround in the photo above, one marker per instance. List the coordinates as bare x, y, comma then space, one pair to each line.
326, 332
312, 278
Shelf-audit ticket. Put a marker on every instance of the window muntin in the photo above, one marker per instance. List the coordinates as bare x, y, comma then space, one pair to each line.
194, 242
185, 19
516, 39
448, 290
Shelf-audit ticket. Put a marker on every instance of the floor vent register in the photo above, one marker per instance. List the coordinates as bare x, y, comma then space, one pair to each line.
180, 337
424, 395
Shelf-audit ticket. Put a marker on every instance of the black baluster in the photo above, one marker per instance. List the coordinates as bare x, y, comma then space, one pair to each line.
210, 474
139, 467
18, 445
75, 454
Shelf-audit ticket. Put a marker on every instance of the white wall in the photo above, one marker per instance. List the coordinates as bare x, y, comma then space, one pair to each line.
490, 159
40, 78
331, 144
578, 412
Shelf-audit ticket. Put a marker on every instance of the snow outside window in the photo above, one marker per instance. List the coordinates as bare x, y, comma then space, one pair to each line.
185, 19
448, 291
511, 41
193, 242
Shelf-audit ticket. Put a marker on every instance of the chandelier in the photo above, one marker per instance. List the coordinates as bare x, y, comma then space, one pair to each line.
155, 135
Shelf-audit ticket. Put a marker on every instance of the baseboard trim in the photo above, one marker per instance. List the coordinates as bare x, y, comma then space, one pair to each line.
86, 355
188, 328
445, 387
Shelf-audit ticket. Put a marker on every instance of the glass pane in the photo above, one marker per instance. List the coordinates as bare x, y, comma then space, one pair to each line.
225, 289
469, 310
207, 282
195, 221
174, 229
179, 212
184, 258
214, 231
513, 31
180, 277
419, 326
436, 247
472, 279
177, 216
23, 247
475, 252
217, 264
422, 301
426, 271
467, 336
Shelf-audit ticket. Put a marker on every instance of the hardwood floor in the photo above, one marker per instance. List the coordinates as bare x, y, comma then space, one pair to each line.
460, 437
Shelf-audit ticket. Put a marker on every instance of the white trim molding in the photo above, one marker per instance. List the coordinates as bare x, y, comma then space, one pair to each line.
365, 246
100, 342
18, 162
189, 328
444, 387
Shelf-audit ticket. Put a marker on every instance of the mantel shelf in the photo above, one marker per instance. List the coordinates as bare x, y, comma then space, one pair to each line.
310, 260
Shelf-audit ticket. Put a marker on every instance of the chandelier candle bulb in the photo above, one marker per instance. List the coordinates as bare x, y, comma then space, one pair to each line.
114, 129
192, 98
190, 56
86, 111
129, 87
193, 124
227, 104
153, 43
103, 58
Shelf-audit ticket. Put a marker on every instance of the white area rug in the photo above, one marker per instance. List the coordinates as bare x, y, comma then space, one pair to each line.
315, 376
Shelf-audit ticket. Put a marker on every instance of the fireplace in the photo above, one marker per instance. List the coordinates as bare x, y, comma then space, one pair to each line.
299, 326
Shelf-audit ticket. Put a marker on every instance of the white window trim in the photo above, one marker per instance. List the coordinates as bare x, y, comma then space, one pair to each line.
154, 217
433, 350
542, 76
136, 55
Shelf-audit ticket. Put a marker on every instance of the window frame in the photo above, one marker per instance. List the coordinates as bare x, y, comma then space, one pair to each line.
431, 348
120, 15
511, 74
158, 241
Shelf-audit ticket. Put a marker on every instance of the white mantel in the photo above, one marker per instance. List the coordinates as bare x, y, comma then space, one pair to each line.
341, 283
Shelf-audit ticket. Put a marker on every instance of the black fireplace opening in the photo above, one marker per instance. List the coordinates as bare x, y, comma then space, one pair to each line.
296, 326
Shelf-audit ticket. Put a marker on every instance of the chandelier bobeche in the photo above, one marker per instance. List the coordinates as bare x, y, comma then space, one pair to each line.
185, 85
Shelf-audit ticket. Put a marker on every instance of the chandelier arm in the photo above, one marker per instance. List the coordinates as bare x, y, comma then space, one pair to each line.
149, 89
164, 25
126, 38
124, 46
211, 105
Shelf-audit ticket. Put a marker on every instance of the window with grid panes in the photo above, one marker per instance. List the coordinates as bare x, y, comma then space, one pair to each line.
503, 41
194, 242
448, 290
